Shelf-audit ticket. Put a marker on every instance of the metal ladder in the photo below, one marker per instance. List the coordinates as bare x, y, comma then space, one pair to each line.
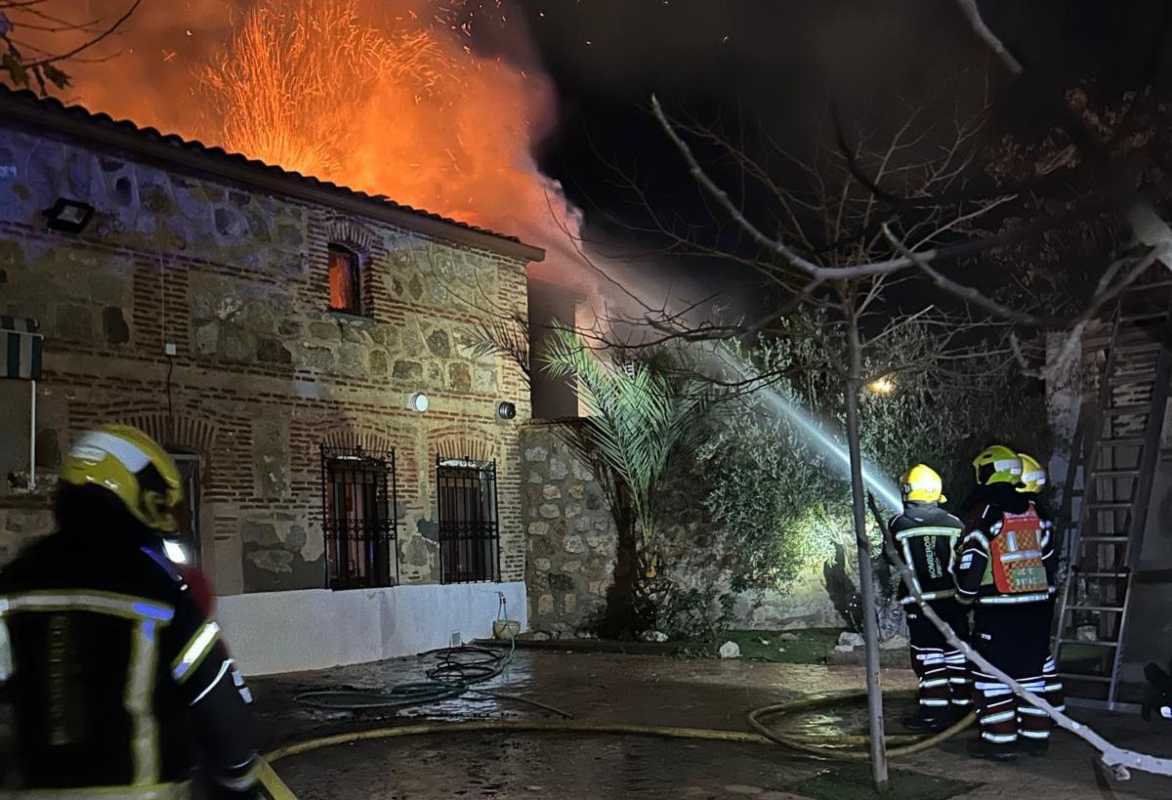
1117, 462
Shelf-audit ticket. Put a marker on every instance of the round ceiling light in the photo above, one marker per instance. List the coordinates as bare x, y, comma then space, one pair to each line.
419, 402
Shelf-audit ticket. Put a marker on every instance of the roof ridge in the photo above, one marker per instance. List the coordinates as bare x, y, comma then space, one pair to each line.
102, 119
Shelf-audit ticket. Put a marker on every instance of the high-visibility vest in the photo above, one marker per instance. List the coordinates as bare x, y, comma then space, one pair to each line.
1015, 567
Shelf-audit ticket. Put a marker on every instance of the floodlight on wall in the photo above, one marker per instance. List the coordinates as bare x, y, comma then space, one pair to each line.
69, 215
506, 410
419, 402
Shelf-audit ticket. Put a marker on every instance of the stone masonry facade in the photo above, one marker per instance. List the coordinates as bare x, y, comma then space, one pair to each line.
571, 535
263, 375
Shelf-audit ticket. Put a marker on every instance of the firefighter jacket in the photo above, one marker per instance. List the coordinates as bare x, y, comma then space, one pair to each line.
117, 673
926, 537
1048, 540
1006, 556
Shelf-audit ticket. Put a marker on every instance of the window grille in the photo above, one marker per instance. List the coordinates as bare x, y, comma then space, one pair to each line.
345, 280
360, 518
469, 534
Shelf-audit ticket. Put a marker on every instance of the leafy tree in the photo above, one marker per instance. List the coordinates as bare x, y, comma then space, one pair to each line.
781, 505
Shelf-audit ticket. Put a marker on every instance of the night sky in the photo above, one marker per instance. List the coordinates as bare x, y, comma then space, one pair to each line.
764, 68
780, 65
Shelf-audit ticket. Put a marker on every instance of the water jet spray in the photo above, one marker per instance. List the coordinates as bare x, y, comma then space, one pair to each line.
813, 431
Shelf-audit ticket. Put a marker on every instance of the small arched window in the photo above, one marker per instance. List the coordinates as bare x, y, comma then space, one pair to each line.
345, 280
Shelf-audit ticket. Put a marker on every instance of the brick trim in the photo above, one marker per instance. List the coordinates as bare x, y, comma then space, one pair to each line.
184, 432
364, 437
476, 443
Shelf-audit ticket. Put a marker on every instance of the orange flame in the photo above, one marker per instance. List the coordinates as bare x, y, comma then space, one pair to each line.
384, 97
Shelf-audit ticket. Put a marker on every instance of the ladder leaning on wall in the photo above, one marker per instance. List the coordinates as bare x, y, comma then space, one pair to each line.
1112, 470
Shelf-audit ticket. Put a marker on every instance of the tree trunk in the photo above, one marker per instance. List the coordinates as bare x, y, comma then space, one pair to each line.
866, 576
621, 619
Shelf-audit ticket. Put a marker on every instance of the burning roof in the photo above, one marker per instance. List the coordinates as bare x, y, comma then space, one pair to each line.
26, 110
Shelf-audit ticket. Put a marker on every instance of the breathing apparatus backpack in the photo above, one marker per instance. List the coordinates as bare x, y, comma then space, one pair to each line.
1015, 555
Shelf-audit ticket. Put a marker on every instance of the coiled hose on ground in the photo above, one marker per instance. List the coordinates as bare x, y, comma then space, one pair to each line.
898, 745
455, 672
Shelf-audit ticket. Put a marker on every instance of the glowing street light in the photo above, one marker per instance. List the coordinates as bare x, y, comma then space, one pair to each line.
881, 386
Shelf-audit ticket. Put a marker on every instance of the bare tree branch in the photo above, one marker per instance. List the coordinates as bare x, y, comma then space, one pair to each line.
1101, 298
91, 42
973, 13
25, 63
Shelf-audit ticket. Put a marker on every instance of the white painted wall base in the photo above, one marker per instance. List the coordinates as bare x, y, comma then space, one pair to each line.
271, 632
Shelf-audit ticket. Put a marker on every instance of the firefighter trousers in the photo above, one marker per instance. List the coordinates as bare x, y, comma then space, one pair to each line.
941, 670
1016, 639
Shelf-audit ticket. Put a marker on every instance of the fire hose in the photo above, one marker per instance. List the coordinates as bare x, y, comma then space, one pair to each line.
904, 745
454, 675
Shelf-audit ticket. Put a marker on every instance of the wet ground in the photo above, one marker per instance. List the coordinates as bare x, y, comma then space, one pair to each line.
648, 690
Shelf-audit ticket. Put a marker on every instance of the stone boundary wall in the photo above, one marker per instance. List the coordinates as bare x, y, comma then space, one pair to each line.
572, 540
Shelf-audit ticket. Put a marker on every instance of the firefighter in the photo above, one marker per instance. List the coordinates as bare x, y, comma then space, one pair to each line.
1001, 570
117, 673
926, 535
1033, 481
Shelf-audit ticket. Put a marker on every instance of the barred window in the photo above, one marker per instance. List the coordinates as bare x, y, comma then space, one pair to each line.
468, 531
345, 281
359, 518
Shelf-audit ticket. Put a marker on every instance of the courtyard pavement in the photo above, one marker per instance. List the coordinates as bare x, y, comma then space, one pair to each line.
650, 690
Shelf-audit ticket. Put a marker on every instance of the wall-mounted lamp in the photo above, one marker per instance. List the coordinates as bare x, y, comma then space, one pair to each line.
69, 215
506, 410
418, 402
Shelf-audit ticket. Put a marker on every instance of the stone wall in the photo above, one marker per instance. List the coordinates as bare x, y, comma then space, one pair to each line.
264, 374
572, 536
572, 541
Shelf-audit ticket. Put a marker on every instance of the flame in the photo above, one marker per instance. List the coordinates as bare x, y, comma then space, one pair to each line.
384, 97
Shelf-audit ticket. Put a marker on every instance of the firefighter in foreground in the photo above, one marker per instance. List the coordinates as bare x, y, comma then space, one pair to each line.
117, 672
1002, 570
926, 535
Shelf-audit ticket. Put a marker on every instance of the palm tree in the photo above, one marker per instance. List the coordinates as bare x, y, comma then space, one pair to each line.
638, 416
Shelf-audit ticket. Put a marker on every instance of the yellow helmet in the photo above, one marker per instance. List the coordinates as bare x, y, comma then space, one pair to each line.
997, 464
922, 484
1033, 474
132, 466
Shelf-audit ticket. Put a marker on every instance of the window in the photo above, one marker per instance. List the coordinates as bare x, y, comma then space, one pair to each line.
345, 281
359, 518
468, 533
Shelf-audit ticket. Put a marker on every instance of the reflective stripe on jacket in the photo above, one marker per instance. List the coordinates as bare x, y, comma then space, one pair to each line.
926, 535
